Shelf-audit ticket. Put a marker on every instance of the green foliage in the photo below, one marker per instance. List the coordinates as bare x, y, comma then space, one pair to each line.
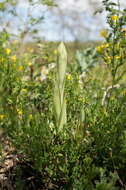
86, 59
48, 2
113, 49
92, 153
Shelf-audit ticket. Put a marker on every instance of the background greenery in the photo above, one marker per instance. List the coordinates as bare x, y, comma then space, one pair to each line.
82, 146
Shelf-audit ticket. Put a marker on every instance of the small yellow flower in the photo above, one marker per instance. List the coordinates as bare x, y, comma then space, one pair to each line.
99, 49
30, 116
104, 33
117, 57
106, 45
20, 68
19, 111
24, 90
69, 77
8, 51
29, 64
102, 47
2, 116
114, 17
13, 58
109, 57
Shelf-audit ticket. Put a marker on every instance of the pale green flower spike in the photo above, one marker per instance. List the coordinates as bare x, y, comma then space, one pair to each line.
59, 94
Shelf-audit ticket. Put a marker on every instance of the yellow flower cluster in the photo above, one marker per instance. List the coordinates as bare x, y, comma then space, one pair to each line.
114, 18
102, 47
109, 58
8, 52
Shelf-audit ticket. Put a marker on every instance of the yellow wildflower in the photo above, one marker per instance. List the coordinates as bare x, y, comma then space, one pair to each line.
69, 76
2, 116
30, 116
100, 48
114, 17
20, 68
8, 51
104, 33
24, 90
117, 57
29, 64
106, 45
13, 58
109, 57
19, 111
